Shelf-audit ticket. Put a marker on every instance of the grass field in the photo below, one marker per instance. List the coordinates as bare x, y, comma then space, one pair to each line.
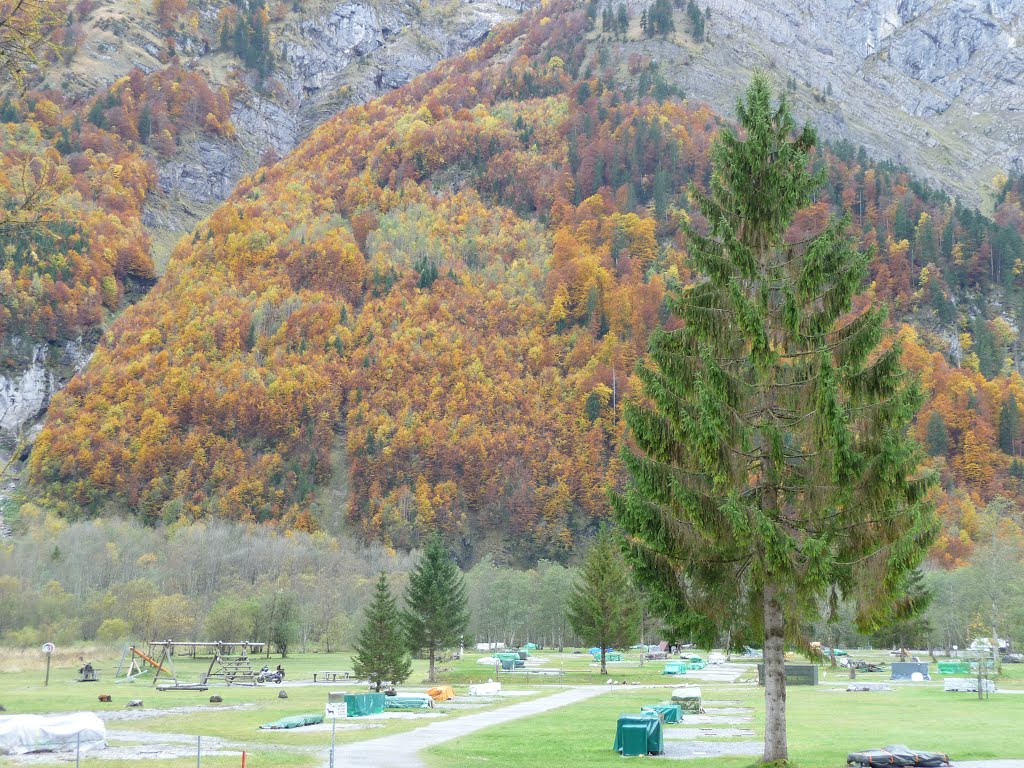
825, 722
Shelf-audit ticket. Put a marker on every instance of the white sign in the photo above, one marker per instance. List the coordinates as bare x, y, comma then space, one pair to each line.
49, 648
337, 709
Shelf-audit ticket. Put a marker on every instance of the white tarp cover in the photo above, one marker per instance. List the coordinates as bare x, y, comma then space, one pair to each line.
21, 734
485, 689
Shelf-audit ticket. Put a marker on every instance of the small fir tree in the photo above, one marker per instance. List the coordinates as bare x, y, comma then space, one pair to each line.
381, 651
774, 470
436, 612
603, 608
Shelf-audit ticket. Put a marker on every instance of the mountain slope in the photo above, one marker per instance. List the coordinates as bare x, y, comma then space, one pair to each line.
450, 286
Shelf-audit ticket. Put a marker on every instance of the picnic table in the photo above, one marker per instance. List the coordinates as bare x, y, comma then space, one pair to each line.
333, 676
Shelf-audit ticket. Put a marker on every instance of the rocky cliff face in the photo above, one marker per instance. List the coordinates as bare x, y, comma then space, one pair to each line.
32, 374
935, 84
327, 57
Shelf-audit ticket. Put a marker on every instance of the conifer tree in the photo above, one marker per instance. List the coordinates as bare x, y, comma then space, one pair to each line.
937, 437
1009, 425
603, 606
381, 652
774, 469
436, 612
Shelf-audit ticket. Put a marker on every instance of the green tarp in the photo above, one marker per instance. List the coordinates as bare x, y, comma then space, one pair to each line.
362, 704
954, 668
675, 668
409, 701
613, 656
649, 720
670, 713
688, 698
295, 721
695, 662
507, 655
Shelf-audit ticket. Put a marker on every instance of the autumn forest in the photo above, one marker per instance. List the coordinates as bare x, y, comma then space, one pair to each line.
435, 305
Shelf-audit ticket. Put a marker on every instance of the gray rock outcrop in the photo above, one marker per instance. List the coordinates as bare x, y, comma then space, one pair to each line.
935, 84
26, 389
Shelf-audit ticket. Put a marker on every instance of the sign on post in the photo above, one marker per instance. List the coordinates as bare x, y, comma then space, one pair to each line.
336, 705
48, 649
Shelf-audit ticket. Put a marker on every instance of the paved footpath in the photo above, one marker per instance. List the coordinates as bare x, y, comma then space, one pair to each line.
400, 750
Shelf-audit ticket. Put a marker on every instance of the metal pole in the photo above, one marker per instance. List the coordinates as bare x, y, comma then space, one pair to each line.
199, 750
47, 681
78, 746
334, 727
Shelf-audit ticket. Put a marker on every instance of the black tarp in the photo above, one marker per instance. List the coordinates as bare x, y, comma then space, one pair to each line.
902, 670
898, 755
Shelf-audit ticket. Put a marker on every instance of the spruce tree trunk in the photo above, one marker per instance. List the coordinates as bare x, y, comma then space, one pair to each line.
774, 678
604, 666
430, 675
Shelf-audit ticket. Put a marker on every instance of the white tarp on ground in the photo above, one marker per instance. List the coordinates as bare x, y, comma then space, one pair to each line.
485, 689
968, 685
21, 734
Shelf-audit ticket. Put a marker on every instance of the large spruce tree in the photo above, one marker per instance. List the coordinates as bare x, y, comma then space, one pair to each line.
381, 651
436, 611
774, 470
603, 607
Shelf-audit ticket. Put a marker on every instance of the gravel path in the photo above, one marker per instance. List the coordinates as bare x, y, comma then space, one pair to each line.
400, 750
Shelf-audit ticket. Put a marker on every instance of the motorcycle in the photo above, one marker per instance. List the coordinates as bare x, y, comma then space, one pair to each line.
269, 676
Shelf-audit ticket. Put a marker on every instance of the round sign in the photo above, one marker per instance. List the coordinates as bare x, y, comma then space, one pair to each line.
49, 648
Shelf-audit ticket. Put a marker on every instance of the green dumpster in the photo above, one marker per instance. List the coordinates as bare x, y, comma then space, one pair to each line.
650, 722
612, 656
362, 704
675, 668
695, 663
670, 713
954, 668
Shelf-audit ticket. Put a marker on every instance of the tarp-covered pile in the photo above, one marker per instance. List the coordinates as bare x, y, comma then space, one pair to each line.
675, 668
669, 713
21, 734
408, 701
899, 755
441, 693
489, 688
904, 670
295, 721
362, 704
688, 698
968, 685
639, 734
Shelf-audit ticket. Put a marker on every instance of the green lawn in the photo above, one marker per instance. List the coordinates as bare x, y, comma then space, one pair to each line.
825, 723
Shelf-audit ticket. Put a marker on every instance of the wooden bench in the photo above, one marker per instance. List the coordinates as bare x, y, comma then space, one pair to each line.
332, 677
